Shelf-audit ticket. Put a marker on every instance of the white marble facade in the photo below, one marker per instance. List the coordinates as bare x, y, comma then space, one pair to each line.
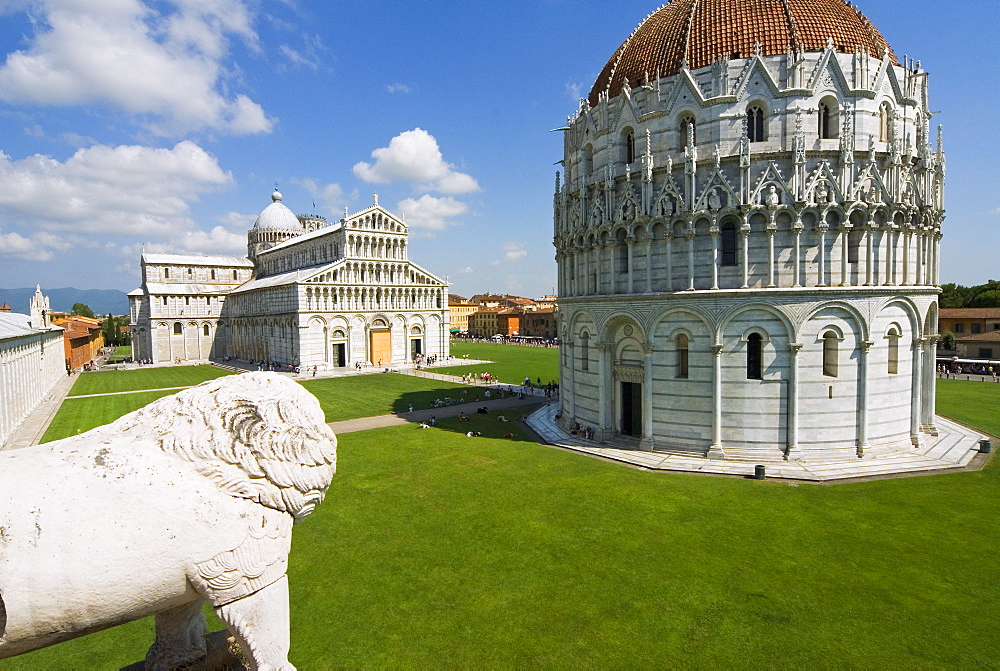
32, 361
748, 251
308, 294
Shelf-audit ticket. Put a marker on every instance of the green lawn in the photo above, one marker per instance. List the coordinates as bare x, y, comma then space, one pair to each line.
104, 382
121, 353
437, 550
77, 415
972, 403
379, 394
512, 363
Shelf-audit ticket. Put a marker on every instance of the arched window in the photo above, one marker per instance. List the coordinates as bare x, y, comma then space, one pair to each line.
588, 161
682, 356
213, 273
755, 357
166, 273
853, 246
622, 253
205, 329
755, 124
235, 276
687, 130
729, 244
830, 348
584, 351
893, 352
628, 137
178, 329
828, 119
884, 123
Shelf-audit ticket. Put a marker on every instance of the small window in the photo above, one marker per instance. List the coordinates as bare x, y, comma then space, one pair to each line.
728, 244
190, 272
205, 329
629, 140
166, 273
235, 276
208, 300
585, 352
682, 356
830, 347
893, 352
959, 327
588, 161
755, 124
622, 256
687, 131
977, 328
755, 347
213, 273
187, 300
164, 300
884, 123
828, 119
177, 328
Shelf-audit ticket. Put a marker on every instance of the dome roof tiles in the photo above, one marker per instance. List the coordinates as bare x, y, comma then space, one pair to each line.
702, 32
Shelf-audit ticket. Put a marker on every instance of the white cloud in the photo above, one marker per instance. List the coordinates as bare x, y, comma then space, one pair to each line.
398, 88
465, 270
167, 69
329, 197
237, 221
101, 190
35, 131
414, 156
17, 246
512, 251
575, 90
430, 213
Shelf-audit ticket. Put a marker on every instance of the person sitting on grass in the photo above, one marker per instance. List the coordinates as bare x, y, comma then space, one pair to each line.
473, 434
424, 425
501, 418
463, 417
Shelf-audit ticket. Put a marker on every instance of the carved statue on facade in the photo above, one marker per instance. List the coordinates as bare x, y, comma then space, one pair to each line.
773, 196
714, 202
187, 500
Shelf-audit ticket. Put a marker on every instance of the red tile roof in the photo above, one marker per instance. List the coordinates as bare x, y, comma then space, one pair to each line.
969, 313
703, 31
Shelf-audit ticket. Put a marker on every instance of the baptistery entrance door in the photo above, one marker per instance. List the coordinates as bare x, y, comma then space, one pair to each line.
631, 409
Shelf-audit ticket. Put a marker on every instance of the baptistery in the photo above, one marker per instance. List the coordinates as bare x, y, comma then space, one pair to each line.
747, 234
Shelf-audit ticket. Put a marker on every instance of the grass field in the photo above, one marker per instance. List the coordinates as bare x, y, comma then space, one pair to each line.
121, 353
436, 550
77, 415
379, 394
106, 382
512, 363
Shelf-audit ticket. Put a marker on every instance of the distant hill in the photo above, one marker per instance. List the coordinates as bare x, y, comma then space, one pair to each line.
101, 301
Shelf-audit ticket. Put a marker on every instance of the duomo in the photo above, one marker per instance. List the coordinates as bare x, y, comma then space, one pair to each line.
747, 234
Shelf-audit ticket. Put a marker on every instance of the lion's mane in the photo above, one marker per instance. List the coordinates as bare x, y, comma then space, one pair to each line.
258, 436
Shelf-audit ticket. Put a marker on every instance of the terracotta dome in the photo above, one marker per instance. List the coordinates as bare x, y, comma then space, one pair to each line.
701, 32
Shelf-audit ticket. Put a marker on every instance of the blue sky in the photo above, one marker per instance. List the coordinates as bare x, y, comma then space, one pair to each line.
168, 122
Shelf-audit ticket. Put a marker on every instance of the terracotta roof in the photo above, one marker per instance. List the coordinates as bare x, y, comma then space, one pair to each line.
705, 31
969, 313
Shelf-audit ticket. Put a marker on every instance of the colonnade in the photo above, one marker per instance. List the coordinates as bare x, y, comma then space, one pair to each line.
30, 365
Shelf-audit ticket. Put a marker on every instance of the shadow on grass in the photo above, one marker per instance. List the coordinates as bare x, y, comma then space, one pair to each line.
499, 422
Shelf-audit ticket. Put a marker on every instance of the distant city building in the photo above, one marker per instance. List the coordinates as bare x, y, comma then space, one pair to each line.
748, 238
83, 339
969, 321
459, 309
309, 293
483, 322
539, 323
31, 361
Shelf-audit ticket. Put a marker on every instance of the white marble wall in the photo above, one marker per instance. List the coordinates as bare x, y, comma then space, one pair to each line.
30, 366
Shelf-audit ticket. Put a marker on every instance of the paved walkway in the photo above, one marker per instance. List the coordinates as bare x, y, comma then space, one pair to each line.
381, 421
954, 448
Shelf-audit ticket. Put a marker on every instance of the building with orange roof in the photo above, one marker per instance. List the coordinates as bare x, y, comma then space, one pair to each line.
83, 339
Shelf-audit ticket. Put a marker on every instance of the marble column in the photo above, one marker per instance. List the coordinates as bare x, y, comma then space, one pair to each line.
797, 273
928, 387
669, 245
649, 264
745, 255
715, 257
792, 437
715, 451
770, 255
605, 392
690, 239
916, 384
647, 442
821, 280
863, 349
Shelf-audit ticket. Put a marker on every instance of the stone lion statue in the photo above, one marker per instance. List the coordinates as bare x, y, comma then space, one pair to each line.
189, 499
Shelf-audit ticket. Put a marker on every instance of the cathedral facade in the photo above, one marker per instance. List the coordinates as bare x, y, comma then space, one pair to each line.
747, 238
308, 294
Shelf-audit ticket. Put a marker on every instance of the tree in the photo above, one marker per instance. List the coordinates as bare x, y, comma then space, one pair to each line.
82, 310
986, 299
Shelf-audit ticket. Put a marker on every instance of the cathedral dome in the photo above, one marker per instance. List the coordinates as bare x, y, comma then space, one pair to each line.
277, 217
700, 32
